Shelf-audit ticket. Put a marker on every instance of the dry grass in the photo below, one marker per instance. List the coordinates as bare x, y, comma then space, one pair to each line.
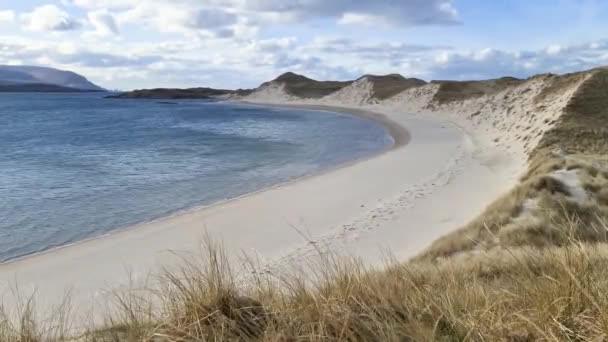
519, 294
582, 128
387, 86
535, 212
308, 88
557, 84
451, 91
522, 294
24, 323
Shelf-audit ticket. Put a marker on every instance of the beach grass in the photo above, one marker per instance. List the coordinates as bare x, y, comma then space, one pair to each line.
511, 294
540, 208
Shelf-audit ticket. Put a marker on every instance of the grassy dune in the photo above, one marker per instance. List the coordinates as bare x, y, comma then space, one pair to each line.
532, 267
535, 211
451, 91
522, 294
304, 87
384, 87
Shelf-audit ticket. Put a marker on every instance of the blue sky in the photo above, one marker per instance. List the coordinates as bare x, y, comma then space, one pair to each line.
129, 44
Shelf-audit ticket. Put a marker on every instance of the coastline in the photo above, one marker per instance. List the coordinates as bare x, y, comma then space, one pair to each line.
398, 133
382, 201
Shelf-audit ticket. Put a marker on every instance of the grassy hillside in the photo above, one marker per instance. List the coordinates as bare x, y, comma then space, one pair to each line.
566, 185
583, 128
524, 294
387, 86
451, 91
304, 87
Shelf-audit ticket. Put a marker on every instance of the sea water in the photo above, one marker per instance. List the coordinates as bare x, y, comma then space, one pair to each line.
77, 166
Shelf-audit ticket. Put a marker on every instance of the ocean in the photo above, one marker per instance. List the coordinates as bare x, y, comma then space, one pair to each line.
77, 166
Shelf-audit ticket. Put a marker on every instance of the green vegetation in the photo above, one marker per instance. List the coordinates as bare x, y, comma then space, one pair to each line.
535, 211
387, 86
451, 91
304, 87
582, 127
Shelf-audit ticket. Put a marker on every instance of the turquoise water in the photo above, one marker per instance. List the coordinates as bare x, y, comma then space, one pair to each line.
78, 166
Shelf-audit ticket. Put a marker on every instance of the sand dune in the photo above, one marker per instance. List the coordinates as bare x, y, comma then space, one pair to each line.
509, 113
544, 120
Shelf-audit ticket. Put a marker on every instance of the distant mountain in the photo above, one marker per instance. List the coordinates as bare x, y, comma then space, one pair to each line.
39, 79
40, 88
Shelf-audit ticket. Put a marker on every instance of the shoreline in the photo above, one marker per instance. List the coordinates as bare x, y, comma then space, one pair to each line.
398, 133
380, 202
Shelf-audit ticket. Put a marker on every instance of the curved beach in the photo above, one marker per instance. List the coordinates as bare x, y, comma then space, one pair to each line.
400, 200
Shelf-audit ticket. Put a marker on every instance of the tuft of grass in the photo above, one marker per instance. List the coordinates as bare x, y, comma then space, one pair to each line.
25, 324
512, 294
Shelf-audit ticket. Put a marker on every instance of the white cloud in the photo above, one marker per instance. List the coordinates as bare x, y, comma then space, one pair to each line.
7, 15
104, 22
49, 18
268, 12
489, 63
219, 42
554, 49
403, 12
104, 4
209, 19
356, 19
182, 17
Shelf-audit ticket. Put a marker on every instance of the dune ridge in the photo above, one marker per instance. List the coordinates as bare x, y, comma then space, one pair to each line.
514, 113
550, 125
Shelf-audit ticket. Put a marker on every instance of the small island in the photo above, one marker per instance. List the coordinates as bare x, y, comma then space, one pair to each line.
173, 93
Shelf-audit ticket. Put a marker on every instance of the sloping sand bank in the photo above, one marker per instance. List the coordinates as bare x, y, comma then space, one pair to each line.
433, 181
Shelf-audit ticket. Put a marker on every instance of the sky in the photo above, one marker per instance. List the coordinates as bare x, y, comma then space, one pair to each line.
129, 44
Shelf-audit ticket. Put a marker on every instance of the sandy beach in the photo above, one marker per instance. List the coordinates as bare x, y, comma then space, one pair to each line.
430, 182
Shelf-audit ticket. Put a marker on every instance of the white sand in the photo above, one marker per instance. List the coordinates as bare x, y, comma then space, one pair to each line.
483, 149
400, 200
